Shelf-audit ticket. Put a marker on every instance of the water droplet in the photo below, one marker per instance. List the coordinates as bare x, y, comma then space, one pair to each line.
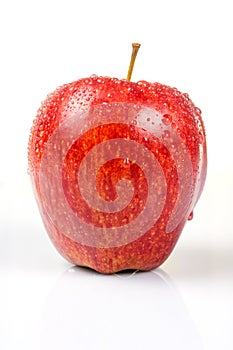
166, 119
201, 138
198, 110
190, 217
142, 83
126, 163
125, 220
148, 119
166, 134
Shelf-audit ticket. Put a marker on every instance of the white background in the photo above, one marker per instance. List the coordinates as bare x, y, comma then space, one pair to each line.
46, 303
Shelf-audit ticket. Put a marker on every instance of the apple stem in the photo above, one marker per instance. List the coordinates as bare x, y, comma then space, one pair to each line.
135, 48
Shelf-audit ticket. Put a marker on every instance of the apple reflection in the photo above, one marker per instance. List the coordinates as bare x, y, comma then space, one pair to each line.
128, 310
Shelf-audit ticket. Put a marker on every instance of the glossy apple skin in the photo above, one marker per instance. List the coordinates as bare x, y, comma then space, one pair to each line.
117, 168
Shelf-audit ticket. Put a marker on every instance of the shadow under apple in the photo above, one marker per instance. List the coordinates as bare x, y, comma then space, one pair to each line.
128, 310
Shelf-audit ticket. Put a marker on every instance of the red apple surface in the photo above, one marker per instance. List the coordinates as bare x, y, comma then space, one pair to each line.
117, 169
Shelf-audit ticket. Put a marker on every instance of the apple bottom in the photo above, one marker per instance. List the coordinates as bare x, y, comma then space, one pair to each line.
146, 253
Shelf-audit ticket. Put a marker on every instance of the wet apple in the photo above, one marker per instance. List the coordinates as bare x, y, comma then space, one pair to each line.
117, 169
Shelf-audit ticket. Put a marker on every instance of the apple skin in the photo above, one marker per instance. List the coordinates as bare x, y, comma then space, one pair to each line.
117, 168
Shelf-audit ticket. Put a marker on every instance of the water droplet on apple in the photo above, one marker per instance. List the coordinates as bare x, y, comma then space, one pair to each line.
143, 83
166, 134
166, 119
126, 163
125, 220
201, 138
190, 217
198, 110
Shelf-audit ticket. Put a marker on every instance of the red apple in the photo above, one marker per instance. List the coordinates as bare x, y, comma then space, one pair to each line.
117, 168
